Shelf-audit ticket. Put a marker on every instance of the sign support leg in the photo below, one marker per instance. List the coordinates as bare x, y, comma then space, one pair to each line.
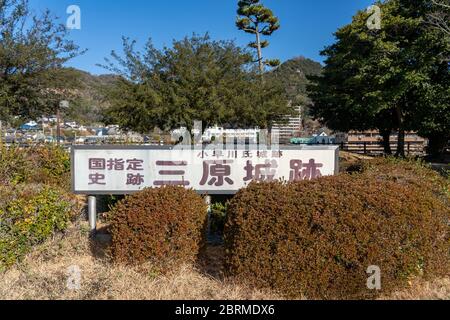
92, 210
208, 203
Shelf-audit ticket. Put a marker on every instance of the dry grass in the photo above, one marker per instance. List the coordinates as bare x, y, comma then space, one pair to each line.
353, 157
43, 275
423, 290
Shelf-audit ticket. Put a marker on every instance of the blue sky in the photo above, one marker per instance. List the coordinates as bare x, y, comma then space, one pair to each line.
307, 26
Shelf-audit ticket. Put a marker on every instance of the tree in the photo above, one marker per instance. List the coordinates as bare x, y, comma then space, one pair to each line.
31, 48
386, 79
341, 96
197, 79
440, 16
256, 19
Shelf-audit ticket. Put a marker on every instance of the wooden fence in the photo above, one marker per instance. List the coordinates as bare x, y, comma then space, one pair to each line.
375, 148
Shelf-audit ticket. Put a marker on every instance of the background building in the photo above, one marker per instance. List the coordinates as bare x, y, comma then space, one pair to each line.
292, 128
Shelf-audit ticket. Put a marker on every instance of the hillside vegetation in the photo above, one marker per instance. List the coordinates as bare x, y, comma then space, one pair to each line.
293, 75
90, 94
93, 92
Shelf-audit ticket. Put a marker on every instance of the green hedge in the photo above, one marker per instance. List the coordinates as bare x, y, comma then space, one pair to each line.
43, 164
28, 216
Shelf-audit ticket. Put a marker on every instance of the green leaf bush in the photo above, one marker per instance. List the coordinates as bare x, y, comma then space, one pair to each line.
318, 238
161, 226
14, 166
43, 164
51, 166
28, 216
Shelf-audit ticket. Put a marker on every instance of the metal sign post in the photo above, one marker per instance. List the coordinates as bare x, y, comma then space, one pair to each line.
92, 211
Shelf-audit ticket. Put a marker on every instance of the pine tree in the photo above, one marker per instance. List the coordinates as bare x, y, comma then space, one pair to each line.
255, 18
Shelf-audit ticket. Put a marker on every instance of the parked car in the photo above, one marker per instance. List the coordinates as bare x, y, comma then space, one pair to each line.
91, 141
61, 140
10, 139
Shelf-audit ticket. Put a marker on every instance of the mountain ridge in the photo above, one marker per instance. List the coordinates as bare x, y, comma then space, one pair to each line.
93, 89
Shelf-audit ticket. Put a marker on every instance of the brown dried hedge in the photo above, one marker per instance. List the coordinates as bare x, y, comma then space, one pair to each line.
316, 239
159, 226
407, 172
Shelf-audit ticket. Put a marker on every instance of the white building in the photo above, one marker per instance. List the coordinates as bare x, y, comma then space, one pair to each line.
292, 128
220, 134
71, 124
241, 135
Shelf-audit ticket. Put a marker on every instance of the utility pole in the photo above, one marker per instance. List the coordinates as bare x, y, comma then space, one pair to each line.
62, 105
58, 126
1, 135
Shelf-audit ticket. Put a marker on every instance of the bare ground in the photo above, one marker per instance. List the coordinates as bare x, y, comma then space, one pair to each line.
44, 275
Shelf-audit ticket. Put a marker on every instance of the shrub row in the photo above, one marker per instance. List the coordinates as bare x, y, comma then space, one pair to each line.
311, 238
28, 216
318, 238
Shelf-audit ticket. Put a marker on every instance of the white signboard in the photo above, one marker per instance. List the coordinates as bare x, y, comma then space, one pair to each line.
124, 170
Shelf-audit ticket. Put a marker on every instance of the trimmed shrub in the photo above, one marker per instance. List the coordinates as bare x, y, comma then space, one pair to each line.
407, 172
318, 238
28, 216
160, 226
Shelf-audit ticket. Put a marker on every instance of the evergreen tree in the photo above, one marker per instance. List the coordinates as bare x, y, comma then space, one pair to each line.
197, 79
255, 18
390, 79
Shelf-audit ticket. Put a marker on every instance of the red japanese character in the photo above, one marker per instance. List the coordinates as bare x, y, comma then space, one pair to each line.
135, 180
97, 164
217, 172
261, 172
97, 178
135, 165
311, 170
116, 164
172, 170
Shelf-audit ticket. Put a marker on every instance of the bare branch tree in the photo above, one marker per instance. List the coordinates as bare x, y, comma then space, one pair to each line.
440, 17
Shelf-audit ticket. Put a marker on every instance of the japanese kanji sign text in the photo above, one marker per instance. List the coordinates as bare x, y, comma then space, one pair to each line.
116, 170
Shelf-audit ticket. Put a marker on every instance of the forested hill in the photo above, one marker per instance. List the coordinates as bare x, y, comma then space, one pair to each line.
91, 94
292, 75
90, 86
93, 89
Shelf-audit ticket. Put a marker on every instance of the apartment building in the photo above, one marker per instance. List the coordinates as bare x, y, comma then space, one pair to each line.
292, 128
